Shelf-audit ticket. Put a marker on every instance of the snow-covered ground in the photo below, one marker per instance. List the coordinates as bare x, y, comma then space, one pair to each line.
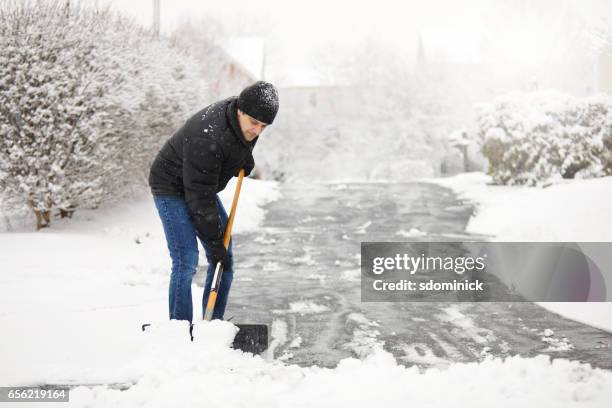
69, 291
209, 373
567, 211
74, 296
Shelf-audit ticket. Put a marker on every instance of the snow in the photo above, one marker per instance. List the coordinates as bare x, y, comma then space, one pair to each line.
536, 137
414, 232
303, 307
296, 343
253, 196
194, 369
74, 297
118, 89
468, 328
278, 334
69, 290
501, 210
365, 336
569, 211
166, 362
555, 344
351, 275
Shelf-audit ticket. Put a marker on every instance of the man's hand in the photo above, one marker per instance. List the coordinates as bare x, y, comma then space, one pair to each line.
248, 166
218, 253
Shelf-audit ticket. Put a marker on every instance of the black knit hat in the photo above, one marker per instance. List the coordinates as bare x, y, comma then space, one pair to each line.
259, 101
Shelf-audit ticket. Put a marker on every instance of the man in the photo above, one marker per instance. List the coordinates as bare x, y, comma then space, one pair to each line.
191, 168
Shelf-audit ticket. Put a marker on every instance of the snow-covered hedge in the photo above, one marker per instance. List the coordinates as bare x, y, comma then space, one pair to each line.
529, 138
86, 98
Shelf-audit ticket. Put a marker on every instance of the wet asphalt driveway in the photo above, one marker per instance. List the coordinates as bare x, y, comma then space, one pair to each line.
300, 274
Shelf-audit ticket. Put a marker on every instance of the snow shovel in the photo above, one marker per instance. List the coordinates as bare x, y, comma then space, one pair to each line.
252, 338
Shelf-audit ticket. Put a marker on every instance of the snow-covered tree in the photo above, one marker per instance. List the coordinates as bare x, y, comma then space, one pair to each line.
50, 99
163, 88
85, 99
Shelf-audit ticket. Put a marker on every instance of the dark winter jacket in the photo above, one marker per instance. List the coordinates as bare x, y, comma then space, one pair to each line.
198, 161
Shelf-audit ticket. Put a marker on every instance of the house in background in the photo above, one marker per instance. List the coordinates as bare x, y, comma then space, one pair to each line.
604, 70
242, 63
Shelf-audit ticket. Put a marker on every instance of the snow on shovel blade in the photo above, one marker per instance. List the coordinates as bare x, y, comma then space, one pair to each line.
251, 338
169, 329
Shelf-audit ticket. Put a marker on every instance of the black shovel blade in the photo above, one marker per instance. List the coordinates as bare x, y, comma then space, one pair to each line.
251, 338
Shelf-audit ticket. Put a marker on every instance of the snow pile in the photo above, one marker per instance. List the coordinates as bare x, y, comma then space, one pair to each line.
569, 211
172, 370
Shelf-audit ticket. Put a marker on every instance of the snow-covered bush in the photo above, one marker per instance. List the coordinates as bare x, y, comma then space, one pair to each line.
86, 98
531, 138
162, 91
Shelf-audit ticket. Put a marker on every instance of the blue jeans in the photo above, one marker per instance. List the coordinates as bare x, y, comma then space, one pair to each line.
183, 246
